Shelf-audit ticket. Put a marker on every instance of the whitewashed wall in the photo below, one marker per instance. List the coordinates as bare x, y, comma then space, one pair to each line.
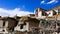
3, 28
1, 23
40, 15
56, 11
50, 13
6, 23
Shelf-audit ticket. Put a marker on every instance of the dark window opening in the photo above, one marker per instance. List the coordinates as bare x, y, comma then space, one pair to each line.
54, 12
43, 23
58, 30
12, 28
44, 13
58, 24
3, 23
36, 13
3, 30
21, 27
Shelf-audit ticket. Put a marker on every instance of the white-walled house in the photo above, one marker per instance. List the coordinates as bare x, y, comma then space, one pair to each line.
3, 26
27, 24
25, 27
42, 14
7, 24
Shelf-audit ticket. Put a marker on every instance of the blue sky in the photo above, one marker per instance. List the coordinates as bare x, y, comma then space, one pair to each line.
28, 5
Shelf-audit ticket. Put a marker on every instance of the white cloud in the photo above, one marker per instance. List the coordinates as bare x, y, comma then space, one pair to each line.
4, 12
50, 2
42, 2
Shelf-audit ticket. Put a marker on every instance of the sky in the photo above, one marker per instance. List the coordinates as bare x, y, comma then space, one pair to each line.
24, 7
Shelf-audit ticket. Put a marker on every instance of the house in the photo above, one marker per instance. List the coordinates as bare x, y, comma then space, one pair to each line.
7, 24
27, 24
39, 13
43, 14
3, 25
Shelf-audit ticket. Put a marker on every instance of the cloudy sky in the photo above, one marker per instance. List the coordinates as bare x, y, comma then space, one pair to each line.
24, 7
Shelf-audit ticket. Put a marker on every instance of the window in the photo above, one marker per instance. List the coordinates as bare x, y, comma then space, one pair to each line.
44, 13
36, 13
3, 30
58, 24
3, 23
54, 12
58, 30
21, 27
